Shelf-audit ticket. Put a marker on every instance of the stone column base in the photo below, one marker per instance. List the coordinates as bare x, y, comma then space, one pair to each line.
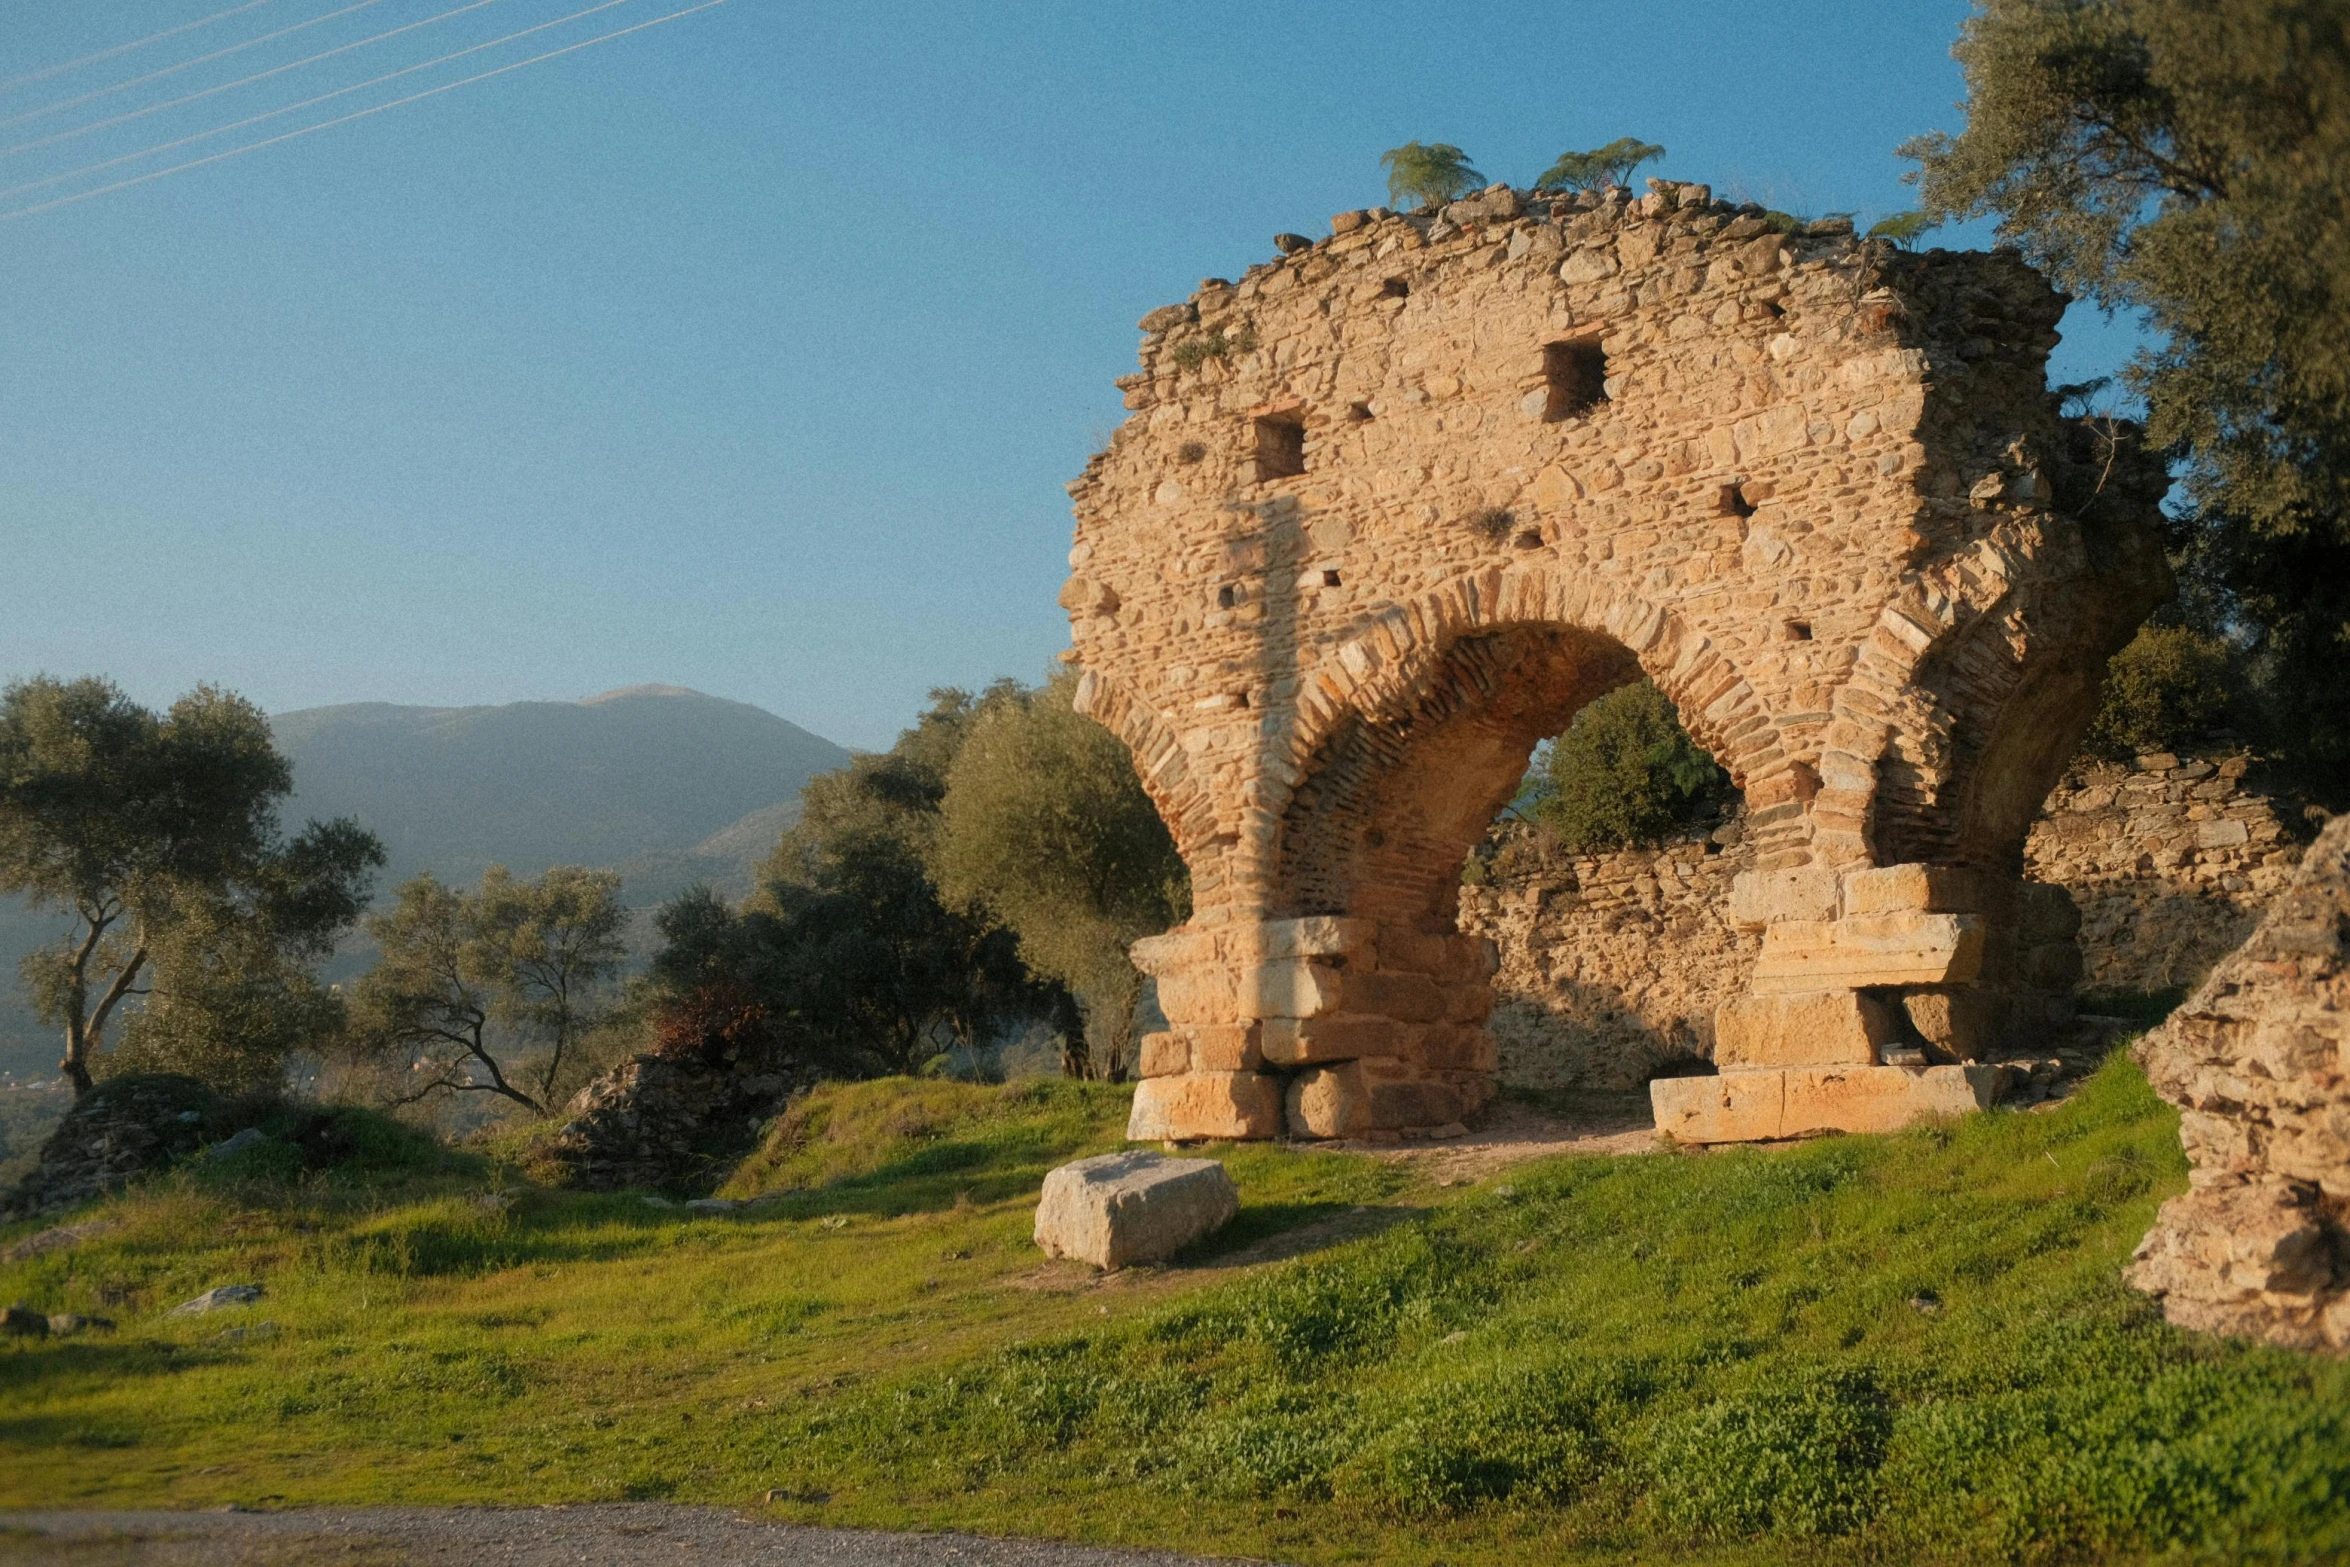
1771, 1102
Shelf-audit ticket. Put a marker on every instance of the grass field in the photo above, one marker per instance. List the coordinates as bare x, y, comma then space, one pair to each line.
1859, 1348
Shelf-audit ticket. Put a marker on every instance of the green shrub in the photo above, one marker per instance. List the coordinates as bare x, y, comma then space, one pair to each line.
1626, 773
2168, 690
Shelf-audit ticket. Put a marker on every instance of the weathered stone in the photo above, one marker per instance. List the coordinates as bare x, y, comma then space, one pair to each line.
1754, 1106
1809, 892
1163, 1055
124, 1128
2258, 1060
1294, 987
1329, 1101
1123, 1208
1205, 1104
216, 1299
1299, 1041
1168, 317
1924, 889
1820, 1028
678, 1116
1869, 950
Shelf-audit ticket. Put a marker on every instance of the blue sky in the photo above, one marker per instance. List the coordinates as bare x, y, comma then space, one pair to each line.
749, 352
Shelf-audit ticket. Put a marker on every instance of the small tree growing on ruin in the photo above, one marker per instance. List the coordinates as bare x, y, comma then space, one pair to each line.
1600, 167
1428, 174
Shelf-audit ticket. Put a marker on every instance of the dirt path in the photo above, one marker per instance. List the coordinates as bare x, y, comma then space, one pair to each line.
635, 1534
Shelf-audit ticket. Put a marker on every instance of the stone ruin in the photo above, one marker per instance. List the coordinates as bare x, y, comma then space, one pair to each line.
1394, 506
2258, 1061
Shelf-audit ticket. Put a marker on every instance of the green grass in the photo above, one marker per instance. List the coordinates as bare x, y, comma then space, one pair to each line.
1909, 1348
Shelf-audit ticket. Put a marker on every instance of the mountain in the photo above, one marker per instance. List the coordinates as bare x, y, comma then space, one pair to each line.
665, 785
646, 771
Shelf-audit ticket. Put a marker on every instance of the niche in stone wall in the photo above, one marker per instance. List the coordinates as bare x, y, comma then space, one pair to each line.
1576, 375
1281, 446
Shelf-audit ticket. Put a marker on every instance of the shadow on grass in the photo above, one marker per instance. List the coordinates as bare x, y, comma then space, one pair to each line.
1275, 1230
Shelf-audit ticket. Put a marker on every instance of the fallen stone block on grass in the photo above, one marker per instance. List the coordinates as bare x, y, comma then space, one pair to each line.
1124, 1208
215, 1299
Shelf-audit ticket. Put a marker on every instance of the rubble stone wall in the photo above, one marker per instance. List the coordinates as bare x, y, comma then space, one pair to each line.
2258, 1062
1613, 965
2170, 860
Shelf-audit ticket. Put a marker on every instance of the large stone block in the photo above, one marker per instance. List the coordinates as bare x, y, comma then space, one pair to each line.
1408, 998
1867, 950
1203, 993
1924, 889
1225, 1047
1289, 1041
1816, 1028
1163, 1055
1808, 892
1173, 950
1414, 1105
1293, 987
1318, 936
1124, 1208
1755, 1106
1963, 1022
1239, 1105
1329, 1101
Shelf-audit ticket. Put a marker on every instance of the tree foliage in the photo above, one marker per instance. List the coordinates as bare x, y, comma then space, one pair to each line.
1625, 773
2168, 690
847, 945
491, 991
2191, 159
1428, 174
1045, 828
1600, 167
158, 835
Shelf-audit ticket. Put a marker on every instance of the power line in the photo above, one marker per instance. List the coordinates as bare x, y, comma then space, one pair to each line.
306, 103
172, 70
429, 92
29, 77
242, 81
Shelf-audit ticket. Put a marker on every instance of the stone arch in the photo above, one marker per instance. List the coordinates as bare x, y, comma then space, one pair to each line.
1392, 505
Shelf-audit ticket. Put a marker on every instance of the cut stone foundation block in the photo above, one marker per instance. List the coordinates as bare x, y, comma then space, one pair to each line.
1762, 1104
1122, 1208
1817, 1028
1237, 1105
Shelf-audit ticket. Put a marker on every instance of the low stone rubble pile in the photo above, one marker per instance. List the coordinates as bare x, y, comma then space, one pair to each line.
666, 1121
124, 1128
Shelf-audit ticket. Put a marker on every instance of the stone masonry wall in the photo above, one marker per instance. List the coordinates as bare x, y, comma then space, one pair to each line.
1612, 965
2171, 861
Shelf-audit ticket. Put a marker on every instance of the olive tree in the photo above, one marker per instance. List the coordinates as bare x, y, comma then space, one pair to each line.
2190, 159
490, 991
1045, 827
157, 835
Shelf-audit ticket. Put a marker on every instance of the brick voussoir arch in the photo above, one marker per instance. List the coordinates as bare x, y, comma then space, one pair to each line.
1381, 670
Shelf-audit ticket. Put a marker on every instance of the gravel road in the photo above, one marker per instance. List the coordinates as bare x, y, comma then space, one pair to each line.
616, 1535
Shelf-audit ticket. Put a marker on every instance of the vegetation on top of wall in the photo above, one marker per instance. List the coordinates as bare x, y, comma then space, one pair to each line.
1428, 175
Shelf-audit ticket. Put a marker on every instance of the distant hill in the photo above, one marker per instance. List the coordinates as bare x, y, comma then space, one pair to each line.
665, 785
